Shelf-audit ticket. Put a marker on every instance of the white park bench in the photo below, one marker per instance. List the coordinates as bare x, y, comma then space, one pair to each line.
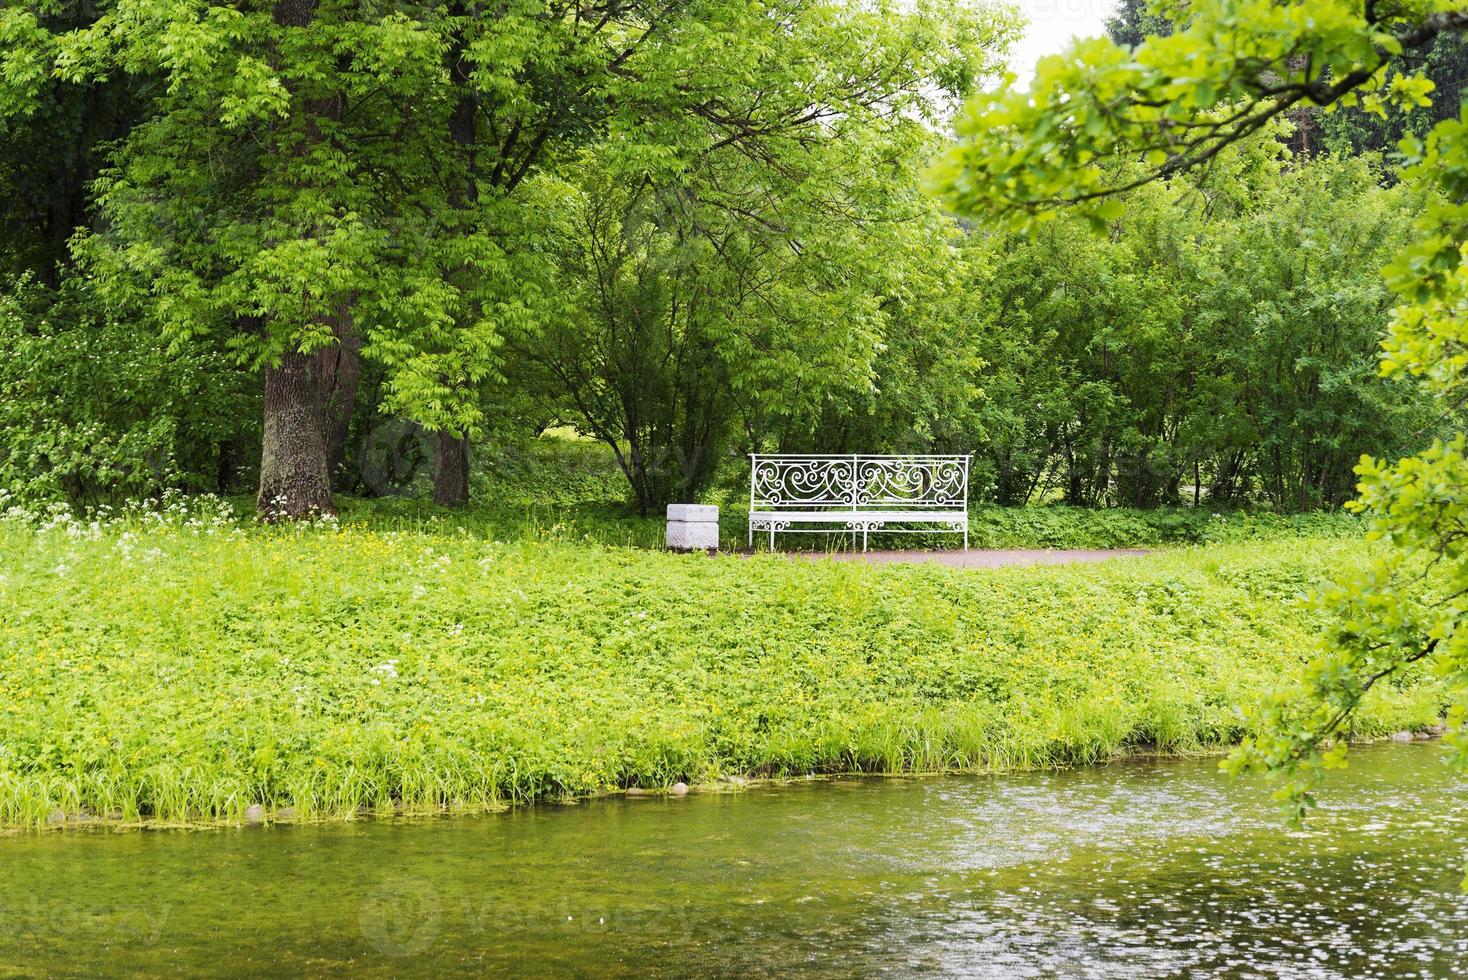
857, 493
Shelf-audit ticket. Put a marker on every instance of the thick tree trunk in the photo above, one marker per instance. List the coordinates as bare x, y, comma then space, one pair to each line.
451, 472
294, 482
340, 369
295, 479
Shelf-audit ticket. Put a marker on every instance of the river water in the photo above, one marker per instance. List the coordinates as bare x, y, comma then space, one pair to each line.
1156, 869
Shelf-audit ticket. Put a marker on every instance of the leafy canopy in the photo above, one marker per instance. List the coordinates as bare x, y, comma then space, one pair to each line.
297, 176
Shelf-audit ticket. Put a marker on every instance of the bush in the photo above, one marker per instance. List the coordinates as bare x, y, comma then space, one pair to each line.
1080, 527
554, 470
93, 410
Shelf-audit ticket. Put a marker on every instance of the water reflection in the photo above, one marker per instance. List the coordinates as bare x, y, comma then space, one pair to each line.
1154, 869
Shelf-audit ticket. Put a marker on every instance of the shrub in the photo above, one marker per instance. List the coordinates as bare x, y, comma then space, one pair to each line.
94, 410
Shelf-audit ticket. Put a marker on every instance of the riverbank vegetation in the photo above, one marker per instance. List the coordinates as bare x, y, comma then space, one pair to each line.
183, 668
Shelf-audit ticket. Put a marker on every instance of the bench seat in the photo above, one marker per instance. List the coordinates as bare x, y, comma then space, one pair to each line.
857, 493
861, 516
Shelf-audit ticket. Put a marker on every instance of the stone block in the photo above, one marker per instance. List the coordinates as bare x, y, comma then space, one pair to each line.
693, 527
693, 513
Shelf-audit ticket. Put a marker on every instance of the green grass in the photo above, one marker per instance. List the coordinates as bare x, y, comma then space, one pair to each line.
613, 522
174, 673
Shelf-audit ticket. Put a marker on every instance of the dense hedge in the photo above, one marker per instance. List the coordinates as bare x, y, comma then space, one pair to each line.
1124, 527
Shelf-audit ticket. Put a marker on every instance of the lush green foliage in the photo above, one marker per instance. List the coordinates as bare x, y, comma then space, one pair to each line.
1444, 62
92, 411
1124, 527
553, 469
1218, 344
1219, 341
1336, 128
750, 285
179, 668
317, 182
1103, 118
437, 223
1183, 100
741, 299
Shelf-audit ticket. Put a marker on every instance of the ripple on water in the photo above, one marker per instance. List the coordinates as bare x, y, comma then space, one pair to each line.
1133, 869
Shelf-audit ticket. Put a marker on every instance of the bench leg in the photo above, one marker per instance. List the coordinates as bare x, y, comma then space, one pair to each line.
965, 537
772, 537
864, 531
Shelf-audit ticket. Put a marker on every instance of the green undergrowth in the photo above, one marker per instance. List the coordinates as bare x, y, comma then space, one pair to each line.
570, 488
186, 672
612, 522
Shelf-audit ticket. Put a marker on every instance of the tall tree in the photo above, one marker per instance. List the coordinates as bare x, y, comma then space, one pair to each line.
659, 92
1177, 103
739, 246
527, 84
257, 199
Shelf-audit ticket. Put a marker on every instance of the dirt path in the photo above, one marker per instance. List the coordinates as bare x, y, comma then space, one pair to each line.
976, 558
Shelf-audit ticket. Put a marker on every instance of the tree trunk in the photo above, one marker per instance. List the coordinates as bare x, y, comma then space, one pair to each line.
295, 476
451, 472
294, 481
339, 369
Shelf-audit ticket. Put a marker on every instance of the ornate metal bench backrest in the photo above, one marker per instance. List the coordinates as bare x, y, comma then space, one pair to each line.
858, 483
